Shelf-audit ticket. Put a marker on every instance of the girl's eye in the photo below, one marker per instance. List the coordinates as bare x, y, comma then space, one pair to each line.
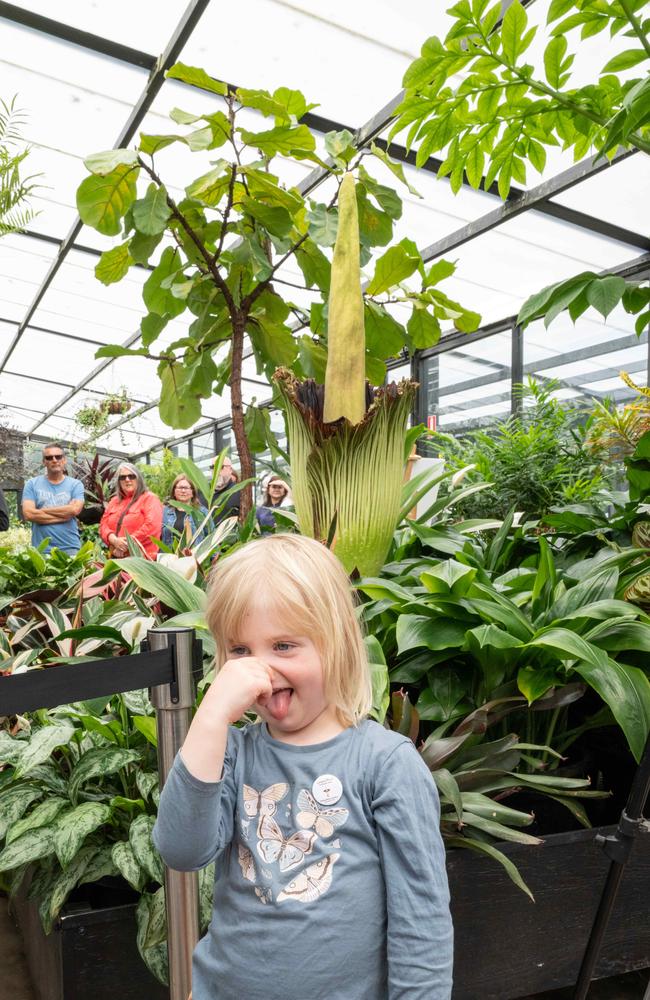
238, 651
284, 647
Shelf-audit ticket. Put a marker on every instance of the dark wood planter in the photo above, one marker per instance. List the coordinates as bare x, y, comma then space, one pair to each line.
91, 954
508, 947
505, 946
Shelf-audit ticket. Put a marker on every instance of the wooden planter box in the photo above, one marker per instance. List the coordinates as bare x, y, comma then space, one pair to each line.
507, 947
91, 954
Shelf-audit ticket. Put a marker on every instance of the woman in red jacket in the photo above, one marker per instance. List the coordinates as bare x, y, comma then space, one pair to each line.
134, 510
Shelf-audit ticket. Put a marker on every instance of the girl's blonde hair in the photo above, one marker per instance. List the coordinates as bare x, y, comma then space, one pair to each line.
308, 590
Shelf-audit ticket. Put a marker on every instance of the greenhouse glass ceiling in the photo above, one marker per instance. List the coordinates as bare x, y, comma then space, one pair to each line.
87, 82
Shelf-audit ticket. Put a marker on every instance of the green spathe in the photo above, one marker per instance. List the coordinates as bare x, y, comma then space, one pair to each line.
347, 479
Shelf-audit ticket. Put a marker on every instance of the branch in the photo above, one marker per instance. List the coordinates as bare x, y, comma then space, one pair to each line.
229, 203
211, 265
645, 42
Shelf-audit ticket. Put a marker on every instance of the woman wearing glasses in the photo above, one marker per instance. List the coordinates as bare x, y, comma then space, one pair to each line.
134, 511
177, 523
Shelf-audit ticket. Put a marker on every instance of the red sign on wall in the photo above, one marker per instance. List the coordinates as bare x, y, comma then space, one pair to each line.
431, 422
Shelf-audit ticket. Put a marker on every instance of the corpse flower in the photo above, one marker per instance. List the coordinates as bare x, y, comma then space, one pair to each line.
346, 438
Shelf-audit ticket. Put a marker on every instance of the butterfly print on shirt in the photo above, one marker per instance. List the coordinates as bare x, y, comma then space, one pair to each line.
288, 852
324, 819
312, 883
265, 802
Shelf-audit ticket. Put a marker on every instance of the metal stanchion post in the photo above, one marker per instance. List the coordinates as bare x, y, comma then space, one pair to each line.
173, 704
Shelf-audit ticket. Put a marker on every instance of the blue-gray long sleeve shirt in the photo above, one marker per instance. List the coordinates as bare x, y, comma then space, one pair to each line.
330, 879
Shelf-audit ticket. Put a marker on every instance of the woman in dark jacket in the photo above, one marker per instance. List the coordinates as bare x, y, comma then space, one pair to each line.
275, 493
176, 521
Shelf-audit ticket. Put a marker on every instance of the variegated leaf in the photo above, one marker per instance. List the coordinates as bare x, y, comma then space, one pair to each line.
143, 848
42, 815
41, 745
124, 859
31, 846
14, 803
73, 827
100, 760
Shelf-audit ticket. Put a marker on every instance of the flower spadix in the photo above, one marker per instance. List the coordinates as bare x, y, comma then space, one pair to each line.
346, 438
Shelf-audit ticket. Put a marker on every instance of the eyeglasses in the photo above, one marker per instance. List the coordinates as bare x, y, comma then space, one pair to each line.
53, 458
184, 489
129, 475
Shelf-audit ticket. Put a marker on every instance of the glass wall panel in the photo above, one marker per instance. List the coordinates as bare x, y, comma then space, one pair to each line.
203, 450
469, 387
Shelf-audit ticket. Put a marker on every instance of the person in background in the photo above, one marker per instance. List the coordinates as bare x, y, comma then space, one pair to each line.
4, 513
133, 510
53, 502
275, 493
176, 522
227, 476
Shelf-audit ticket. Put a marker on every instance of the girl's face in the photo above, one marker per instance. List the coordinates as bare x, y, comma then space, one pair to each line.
298, 711
128, 481
183, 491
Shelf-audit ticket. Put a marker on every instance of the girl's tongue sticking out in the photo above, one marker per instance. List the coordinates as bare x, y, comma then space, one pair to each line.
278, 703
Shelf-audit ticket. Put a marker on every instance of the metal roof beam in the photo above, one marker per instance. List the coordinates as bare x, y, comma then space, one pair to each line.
182, 32
528, 200
85, 39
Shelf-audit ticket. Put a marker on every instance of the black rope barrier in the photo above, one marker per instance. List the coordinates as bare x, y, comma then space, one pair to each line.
50, 687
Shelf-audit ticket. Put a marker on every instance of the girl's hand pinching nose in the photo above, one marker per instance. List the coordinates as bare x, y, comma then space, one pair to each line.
238, 685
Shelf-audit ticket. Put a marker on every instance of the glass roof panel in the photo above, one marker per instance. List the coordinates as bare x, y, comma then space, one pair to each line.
48, 355
620, 194
363, 49
16, 390
145, 25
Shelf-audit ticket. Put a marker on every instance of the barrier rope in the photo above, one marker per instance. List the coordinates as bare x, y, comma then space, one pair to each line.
64, 683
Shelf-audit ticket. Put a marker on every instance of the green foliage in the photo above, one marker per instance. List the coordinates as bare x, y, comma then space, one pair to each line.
30, 569
533, 462
602, 292
502, 116
226, 238
159, 477
15, 190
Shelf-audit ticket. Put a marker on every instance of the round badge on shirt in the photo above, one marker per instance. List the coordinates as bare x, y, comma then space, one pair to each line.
327, 789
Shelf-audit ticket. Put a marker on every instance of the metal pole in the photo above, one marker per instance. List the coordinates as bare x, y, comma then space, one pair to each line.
173, 704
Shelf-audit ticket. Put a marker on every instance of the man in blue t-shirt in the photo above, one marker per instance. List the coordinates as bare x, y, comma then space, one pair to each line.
52, 503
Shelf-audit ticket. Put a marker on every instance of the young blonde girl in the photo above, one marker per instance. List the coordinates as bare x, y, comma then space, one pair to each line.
330, 878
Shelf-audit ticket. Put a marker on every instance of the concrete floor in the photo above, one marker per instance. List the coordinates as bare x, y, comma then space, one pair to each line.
15, 983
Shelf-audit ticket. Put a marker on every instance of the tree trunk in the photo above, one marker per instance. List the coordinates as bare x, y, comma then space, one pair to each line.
237, 413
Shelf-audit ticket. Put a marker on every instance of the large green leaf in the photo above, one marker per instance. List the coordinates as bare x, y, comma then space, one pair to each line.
434, 633
626, 690
484, 848
102, 200
69, 878
392, 267
151, 213
163, 583
196, 77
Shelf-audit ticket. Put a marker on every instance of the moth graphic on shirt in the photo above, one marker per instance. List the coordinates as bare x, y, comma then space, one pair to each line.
264, 895
323, 819
287, 851
265, 802
312, 883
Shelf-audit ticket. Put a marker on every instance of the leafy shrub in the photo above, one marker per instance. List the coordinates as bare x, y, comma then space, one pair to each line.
534, 461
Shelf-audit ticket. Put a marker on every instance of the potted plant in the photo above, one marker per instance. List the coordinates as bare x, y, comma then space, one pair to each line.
92, 419
117, 403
